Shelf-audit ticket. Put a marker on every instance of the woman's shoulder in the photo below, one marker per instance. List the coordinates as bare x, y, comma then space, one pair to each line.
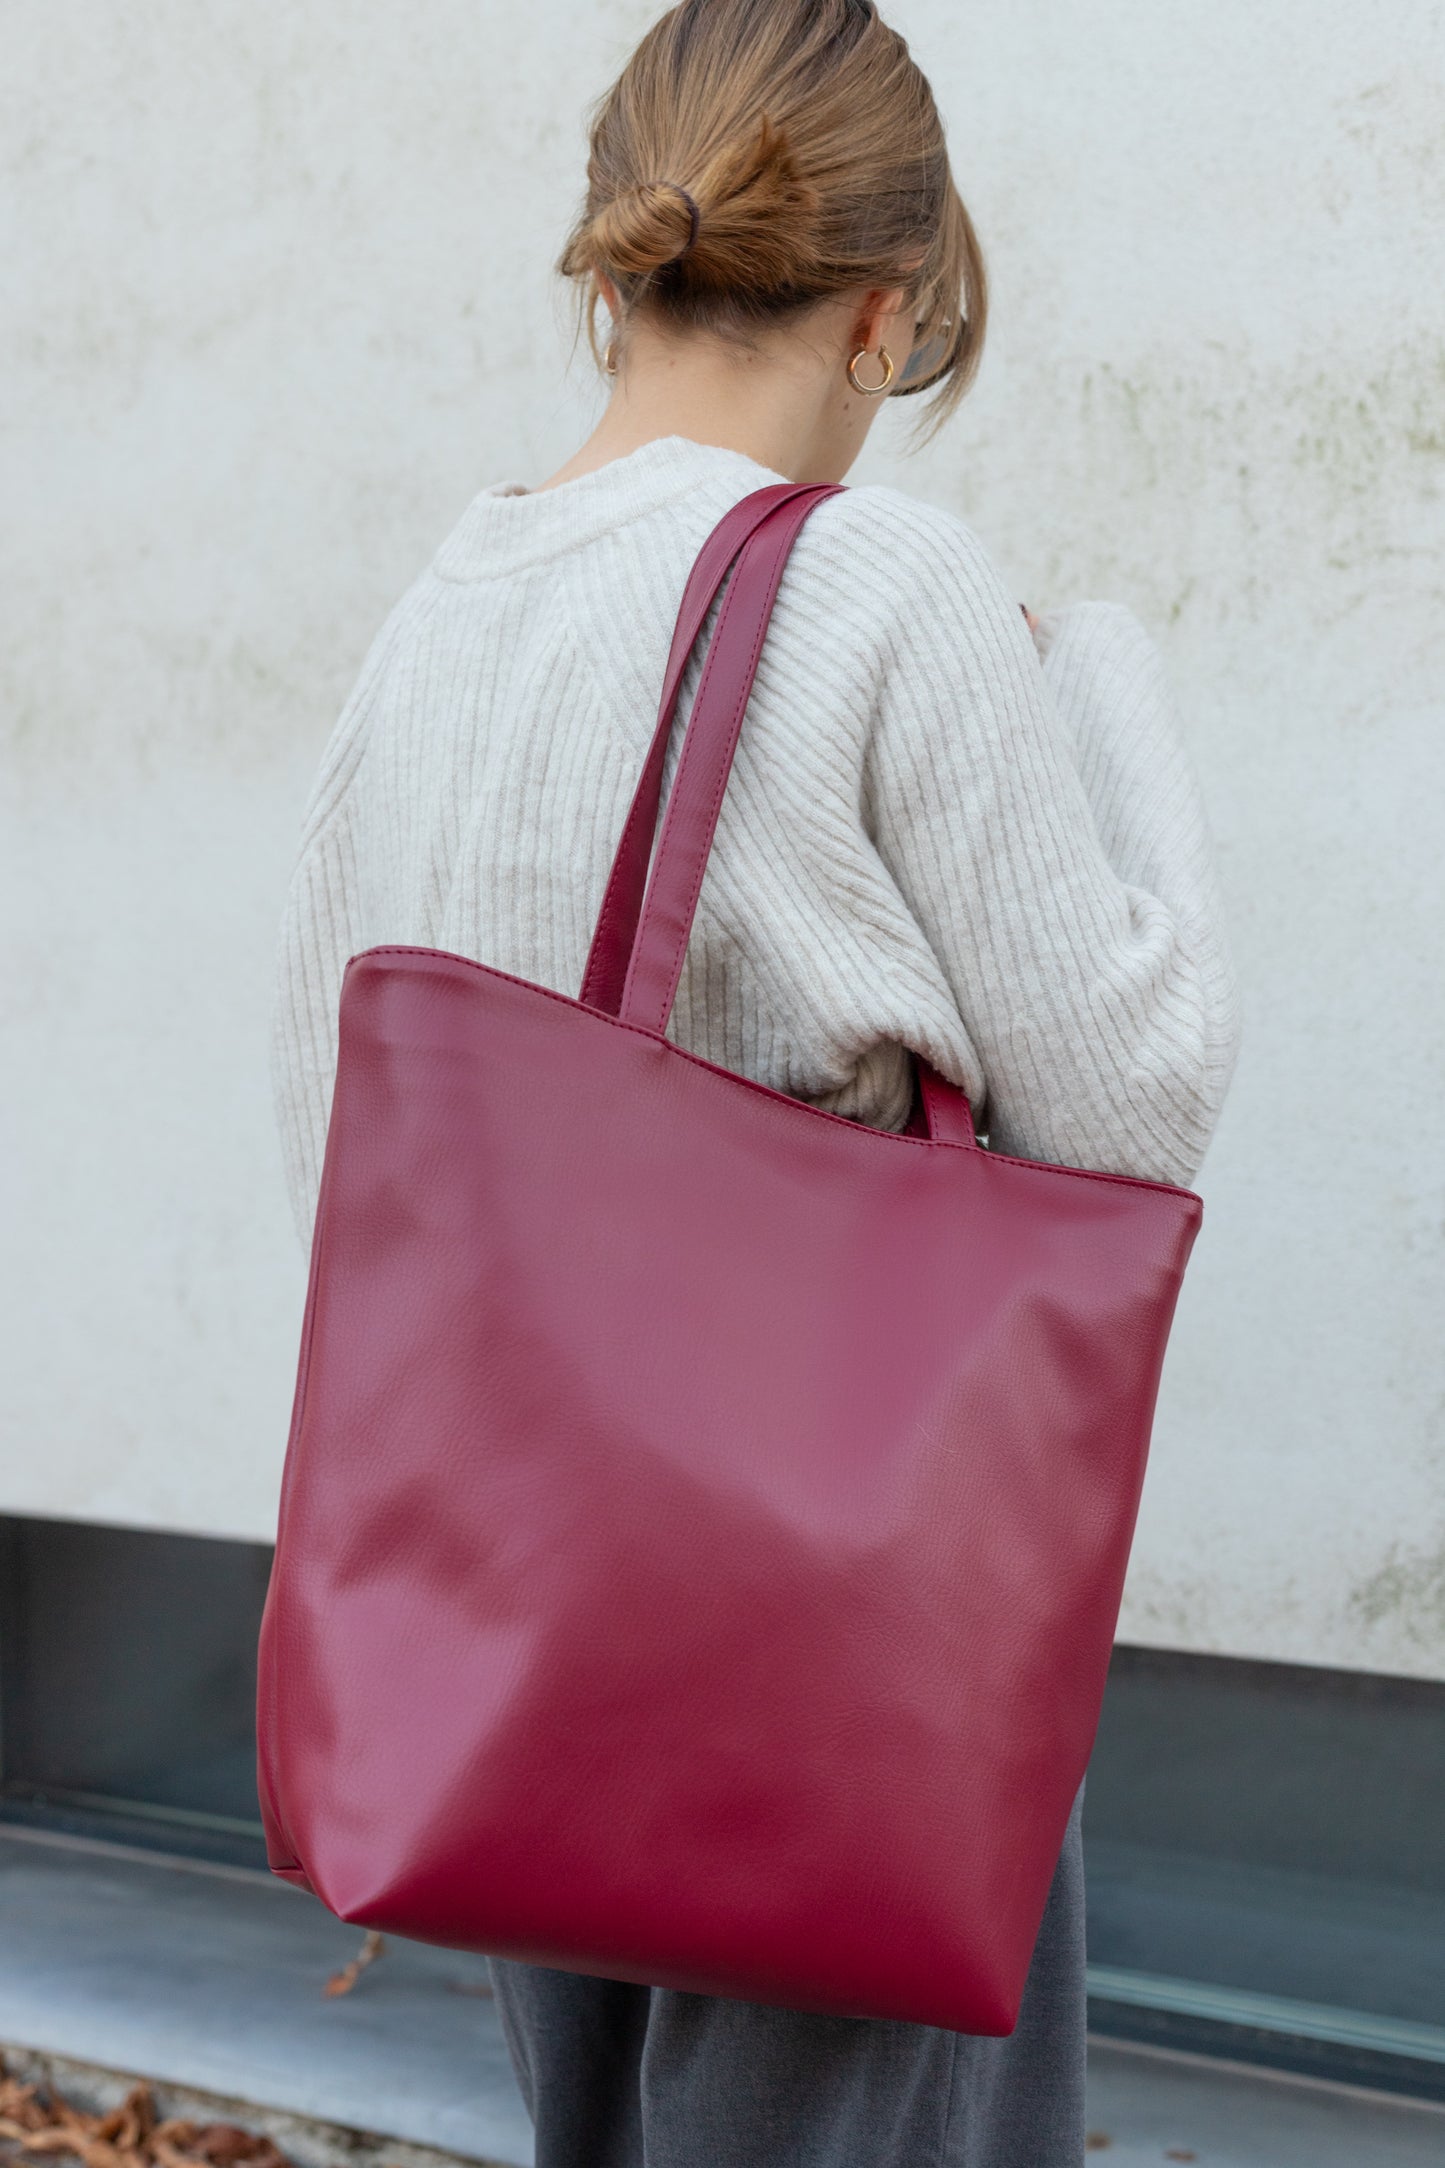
905, 518
928, 568
902, 558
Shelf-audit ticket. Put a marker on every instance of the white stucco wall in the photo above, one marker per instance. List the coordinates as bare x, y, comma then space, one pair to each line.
281, 302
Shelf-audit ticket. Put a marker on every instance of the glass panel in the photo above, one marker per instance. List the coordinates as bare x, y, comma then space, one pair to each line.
1272, 1829
128, 1668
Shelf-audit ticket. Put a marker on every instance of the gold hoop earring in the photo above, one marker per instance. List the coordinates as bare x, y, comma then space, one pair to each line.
609, 358
871, 391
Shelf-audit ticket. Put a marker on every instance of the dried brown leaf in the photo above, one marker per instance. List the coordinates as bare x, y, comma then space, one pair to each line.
97, 2154
127, 2136
341, 1983
128, 2126
72, 2137
21, 2104
223, 2144
168, 2155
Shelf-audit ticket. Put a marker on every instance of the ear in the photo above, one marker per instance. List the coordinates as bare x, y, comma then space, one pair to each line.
878, 307
608, 293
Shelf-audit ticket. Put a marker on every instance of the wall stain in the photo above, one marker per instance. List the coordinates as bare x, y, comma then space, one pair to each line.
1399, 123
1221, 488
1405, 1593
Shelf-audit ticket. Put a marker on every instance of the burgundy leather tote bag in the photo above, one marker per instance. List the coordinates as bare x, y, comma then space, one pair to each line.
705, 1516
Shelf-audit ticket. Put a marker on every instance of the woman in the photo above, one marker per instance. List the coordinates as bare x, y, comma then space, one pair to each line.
947, 830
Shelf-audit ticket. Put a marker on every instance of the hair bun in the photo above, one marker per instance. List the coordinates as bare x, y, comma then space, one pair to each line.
748, 222
646, 229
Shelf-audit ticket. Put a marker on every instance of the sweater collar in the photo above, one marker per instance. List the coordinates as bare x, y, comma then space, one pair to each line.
507, 525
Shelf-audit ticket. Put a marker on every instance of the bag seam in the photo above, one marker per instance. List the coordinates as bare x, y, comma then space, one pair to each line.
766, 1091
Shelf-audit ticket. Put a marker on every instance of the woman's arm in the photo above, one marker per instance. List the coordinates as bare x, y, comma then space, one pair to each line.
325, 917
1039, 814
320, 929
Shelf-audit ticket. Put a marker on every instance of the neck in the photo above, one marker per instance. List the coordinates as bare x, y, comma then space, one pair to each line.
790, 410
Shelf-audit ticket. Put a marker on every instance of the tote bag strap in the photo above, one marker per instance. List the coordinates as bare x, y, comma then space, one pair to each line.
662, 921
611, 949
703, 766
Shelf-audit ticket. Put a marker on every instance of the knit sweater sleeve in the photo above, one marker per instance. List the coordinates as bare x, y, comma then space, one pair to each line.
1038, 812
327, 915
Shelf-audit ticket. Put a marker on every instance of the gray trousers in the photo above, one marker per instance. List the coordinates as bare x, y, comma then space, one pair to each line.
643, 2077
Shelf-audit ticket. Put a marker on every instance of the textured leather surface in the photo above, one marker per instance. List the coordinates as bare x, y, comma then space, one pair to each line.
705, 1517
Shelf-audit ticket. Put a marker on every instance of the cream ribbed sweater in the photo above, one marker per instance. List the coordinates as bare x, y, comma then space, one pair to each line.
940, 833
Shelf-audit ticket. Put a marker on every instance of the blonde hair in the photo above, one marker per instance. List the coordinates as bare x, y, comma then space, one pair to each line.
756, 157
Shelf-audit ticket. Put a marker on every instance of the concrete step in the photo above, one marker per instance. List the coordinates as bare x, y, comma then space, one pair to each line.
1149, 2106
214, 1978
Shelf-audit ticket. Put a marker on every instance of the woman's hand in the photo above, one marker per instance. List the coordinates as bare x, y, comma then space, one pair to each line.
1029, 618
